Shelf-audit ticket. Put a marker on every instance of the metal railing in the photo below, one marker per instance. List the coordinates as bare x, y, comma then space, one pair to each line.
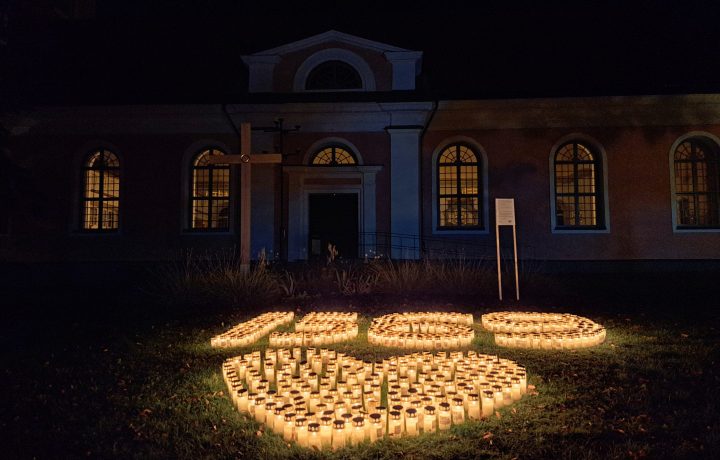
400, 246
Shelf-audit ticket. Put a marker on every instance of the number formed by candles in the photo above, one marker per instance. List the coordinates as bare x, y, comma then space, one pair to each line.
328, 399
427, 330
547, 331
318, 328
251, 331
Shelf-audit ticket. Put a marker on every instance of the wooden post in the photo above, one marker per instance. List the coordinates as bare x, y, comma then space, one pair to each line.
245, 196
245, 159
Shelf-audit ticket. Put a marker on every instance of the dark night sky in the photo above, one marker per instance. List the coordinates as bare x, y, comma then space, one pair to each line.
189, 51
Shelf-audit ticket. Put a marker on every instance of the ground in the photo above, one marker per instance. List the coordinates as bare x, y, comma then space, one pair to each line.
89, 374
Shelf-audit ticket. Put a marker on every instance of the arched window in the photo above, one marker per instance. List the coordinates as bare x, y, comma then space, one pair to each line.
333, 75
333, 156
459, 188
210, 193
697, 188
579, 202
100, 207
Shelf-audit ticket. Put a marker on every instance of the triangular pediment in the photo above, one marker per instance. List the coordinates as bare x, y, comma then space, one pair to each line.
331, 36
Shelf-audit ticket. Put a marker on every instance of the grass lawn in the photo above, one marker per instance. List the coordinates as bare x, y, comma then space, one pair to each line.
124, 380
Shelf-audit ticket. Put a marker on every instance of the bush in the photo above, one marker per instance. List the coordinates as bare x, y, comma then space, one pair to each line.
215, 280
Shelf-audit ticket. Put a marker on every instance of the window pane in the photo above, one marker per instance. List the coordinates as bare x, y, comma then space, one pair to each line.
564, 178
468, 180
90, 213
343, 157
448, 212
201, 183
220, 212
469, 211
448, 180
323, 157
565, 211
92, 183
221, 182
110, 215
200, 211
111, 184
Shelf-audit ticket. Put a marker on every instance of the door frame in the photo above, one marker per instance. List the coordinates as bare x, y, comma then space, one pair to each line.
359, 180
358, 198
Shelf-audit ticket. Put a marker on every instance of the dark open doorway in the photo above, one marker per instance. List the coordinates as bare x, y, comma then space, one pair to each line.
333, 220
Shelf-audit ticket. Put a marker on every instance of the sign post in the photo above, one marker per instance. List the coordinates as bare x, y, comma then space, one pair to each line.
505, 215
245, 159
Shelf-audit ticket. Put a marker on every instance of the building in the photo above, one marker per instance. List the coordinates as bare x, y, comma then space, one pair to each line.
370, 165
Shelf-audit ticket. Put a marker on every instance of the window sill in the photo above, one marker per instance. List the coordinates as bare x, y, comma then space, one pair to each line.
696, 230
459, 231
579, 230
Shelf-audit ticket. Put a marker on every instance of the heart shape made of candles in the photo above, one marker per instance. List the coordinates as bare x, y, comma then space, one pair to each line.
327, 399
547, 331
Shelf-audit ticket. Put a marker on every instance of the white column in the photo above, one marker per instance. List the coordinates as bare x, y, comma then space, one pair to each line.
405, 190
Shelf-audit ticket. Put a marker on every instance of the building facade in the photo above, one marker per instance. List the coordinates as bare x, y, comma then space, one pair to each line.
369, 165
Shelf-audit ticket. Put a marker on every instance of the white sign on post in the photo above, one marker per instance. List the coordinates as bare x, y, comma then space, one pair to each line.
505, 215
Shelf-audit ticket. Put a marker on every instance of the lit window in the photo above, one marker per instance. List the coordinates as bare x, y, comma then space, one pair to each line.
697, 192
333, 75
210, 193
333, 156
578, 179
459, 200
100, 208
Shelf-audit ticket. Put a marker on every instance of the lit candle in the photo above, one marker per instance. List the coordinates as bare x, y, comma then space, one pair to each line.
301, 432
429, 419
458, 410
314, 439
411, 422
289, 427
338, 437
473, 406
395, 425
358, 433
488, 403
377, 430
278, 420
444, 416
326, 431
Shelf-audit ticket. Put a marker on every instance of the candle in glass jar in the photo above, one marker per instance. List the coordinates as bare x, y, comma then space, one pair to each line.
488, 403
444, 416
301, 432
429, 419
411, 422
395, 425
377, 430
458, 410
314, 440
289, 427
473, 406
338, 437
326, 431
278, 420
358, 431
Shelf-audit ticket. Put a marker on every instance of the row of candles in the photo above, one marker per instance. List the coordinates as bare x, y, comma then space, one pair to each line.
251, 331
547, 331
329, 400
318, 328
424, 330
